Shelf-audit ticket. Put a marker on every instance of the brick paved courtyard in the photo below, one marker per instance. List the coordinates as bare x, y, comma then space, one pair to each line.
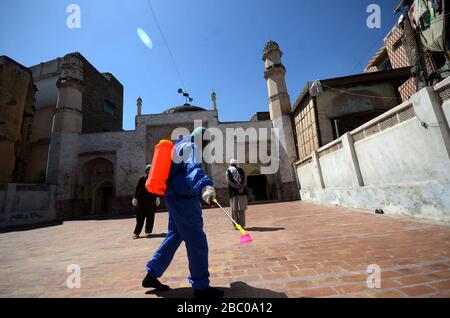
300, 250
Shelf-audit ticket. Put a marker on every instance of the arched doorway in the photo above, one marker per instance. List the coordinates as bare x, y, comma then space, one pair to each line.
103, 195
258, 188
96, 186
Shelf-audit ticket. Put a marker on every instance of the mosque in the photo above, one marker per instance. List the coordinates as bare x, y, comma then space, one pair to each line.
345, 141
76, 144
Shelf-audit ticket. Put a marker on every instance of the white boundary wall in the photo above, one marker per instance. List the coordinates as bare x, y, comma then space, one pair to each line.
398, 162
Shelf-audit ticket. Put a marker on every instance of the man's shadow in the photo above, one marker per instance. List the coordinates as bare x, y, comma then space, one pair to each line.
236, 290
162, 235
152, 236
265, 229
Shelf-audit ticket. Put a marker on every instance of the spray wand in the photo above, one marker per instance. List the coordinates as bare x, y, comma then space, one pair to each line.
246, 238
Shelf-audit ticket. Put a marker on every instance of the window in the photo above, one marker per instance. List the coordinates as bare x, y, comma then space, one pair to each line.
397, 44
385, 65
306, 130
351, 122
109, 108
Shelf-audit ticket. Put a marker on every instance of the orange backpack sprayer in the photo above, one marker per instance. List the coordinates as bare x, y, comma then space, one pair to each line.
159, 172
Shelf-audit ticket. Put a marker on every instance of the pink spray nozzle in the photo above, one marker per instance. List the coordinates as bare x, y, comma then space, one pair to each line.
246, 239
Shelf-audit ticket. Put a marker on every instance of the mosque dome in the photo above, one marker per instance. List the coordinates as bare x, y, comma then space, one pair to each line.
183, 109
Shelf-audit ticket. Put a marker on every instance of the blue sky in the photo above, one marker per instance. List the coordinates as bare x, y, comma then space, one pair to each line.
216, 44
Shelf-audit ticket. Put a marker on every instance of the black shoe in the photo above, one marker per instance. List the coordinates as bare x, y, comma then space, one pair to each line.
209, 292
151, 282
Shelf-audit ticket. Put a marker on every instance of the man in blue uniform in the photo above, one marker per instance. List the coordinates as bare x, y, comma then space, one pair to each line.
186, 184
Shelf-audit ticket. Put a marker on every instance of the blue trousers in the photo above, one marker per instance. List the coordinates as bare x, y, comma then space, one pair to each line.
185, 224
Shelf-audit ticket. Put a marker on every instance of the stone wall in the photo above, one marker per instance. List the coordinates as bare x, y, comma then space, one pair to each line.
100, 89
398, 162
25, 204
124, 149
16, 115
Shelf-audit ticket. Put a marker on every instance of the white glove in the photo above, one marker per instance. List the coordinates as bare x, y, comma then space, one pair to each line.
208, 194
158, 201
134, 202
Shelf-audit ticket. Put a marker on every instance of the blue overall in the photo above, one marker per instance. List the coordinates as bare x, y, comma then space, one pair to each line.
185, 183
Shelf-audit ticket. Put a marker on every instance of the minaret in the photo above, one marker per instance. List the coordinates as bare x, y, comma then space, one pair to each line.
139, 106
280, 114
68, 116
67, 121
214, 100
279, 100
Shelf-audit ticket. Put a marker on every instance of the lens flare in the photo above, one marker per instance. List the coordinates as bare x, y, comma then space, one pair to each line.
145, 38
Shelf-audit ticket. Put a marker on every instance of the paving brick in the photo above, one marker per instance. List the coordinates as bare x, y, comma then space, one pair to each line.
440, 275
354, 278
330, 270
389, 283
414, 280
326, 281
385, 294
274, 276
323, 251
351, 288
247, 278
303, 273
318, 292
418, 291
284, 269
274, 259
299, 284
443, 285
390, 274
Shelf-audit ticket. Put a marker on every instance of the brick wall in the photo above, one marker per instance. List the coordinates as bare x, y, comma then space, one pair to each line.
399, 58
371, 69
100, 89
17, 93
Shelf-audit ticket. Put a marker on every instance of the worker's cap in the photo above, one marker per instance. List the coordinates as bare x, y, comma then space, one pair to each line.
233, 162
147, 168
199, 131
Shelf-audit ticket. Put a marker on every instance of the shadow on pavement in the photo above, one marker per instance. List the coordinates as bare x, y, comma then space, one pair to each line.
162, 235
23, 228
265, 229
104, 217
236, 290
152, 236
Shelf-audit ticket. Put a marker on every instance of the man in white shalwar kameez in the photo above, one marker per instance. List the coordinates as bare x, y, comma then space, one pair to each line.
237, 187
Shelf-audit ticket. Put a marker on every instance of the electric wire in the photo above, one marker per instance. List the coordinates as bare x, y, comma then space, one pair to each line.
373, 45
167, 45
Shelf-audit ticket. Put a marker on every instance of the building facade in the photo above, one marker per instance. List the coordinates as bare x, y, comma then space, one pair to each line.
406, 46
101, 106
342, 105
79, 149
